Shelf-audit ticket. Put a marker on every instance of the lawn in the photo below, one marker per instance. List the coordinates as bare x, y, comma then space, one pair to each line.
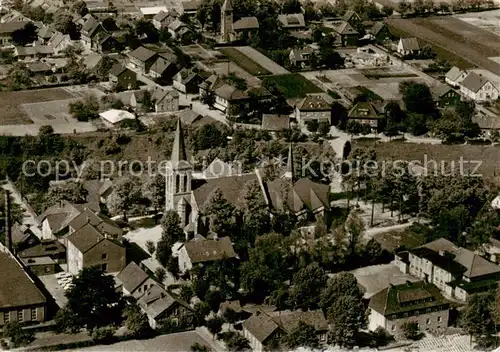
293, 85
244, 62
11, 102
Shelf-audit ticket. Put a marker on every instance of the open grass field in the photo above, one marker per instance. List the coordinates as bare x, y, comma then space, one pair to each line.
487, 157
293, 85
11, 103
244, 62
460, 42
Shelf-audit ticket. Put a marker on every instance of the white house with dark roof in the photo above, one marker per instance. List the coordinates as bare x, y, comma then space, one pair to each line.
199, 251
56, 219
478, 88
409, 46
165, 100
263, 327
314, 106
455, 76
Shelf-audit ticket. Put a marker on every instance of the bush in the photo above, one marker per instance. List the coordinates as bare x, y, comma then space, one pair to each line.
17, 335
86, 109
150, 246
312, 126
411, 331
103, 335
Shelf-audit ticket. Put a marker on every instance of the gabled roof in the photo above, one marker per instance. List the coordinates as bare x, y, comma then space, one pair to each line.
298, 53
212, 83
364, 109
85, 238
304, 193
87, 216
142, 54
454, 73
160, 94
261, 326
246, 23
92, 60
45, 248
161, 65
59, 215
294, 20
90, 26
377, 27
176, 25
9, 27
474, 82
315, 102
188, 116
117, 70
230, 93
406, 297
46, 32
16, 288
21, 233
349, 15
410, 44
440, 90
202, 251
38, 66
57, 39
132, 277
344, 28
156, 301
160, 16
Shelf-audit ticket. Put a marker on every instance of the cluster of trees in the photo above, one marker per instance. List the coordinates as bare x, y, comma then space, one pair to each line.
85, 109
428, 7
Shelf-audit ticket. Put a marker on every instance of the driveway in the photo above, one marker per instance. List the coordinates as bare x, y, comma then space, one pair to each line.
55, 290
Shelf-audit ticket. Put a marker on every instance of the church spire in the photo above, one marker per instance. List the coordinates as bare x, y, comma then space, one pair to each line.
289, 165
227, 6
178, 148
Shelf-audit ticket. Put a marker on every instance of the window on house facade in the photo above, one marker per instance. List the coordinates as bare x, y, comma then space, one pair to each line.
104, 256
33, 314
428, 321
104, 267
440, 319
20, 316
6, 317
393, 327
145, 287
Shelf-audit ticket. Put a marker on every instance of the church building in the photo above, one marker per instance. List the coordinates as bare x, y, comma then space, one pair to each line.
231, 31
189, 196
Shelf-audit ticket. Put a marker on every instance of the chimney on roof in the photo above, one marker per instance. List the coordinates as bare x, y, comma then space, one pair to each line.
8, 222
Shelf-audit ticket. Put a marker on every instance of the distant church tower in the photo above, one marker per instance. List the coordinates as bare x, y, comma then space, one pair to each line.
289, 172
178, 179
226, 22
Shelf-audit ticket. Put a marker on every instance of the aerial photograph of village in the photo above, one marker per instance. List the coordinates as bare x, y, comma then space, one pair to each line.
250, 175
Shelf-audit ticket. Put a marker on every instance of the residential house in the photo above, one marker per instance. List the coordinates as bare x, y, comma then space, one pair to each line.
445, 96
46, 248
456, 271
175, 27
39, 68
455, 76
353, 19
314, 107
158, 304
142, 58
135, 281
366, 113
293, 21
102, 223
301, 57
122, 78
347, 35
187, 81
54, 220
478, 88
14, 16
416, 302
190, 7
210, 84
161, 20
59, 42
6, 30
132, 98
380, 32
163, 69
23, 237
151, 11
263, 330
87, 247
33, 52
45, 33
275, 123
492, 250
235, 306
90, 32
41, 266
409, 46
232, 101
200, 251
244, 27
165, 100
106, 43
20, 299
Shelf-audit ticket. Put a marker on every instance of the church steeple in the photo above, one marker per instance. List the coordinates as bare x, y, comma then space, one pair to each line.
226, 22
227, 6
289, 173
178, 148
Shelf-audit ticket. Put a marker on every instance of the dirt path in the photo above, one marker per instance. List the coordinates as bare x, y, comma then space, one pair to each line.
468, 47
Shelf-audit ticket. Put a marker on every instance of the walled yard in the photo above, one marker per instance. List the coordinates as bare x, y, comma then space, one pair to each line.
457, 41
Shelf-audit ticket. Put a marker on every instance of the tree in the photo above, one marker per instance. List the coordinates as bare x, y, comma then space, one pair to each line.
230, 316
291, 6
19, 76
478, 319
330, 58
171, 233
63, 22
25, 35
85, 109
256, 216
136, 321
16, 212
126, 193
17, 335
323, 128
70, 191
209, 136
160, 274
342, 284
80, 7
312, 126
214, 325
92, 302
303, 335
46, 130
411, 331
196, 347
154, 190
237, 343
145, 29
150, 246
417, 98
387, 10
306, 287
221, 214
347, 316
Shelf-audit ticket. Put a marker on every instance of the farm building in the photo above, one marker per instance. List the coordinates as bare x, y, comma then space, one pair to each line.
113, 116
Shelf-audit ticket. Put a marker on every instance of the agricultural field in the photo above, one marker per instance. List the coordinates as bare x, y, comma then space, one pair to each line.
12, 103
458, 42
244, 62
293, 85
